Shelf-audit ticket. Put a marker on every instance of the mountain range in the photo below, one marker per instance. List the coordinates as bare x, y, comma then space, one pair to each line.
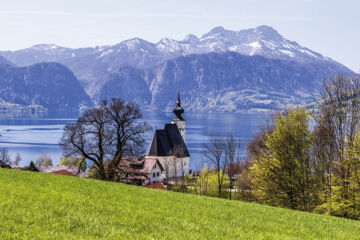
222, 70
40, 87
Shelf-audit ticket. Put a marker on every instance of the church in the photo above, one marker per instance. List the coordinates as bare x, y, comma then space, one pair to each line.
169, 147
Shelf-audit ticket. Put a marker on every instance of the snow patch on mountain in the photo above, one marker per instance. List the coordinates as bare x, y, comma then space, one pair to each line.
287, 52
255, 47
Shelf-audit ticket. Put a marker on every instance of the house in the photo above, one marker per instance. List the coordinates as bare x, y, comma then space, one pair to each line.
62, 170
141, 171
5, 165
168, 146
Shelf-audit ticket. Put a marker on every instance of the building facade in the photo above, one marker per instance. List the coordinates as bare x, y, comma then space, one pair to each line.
169, 147
141, 171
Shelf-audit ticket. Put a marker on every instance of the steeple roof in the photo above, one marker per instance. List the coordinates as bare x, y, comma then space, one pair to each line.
178, 110
166, 141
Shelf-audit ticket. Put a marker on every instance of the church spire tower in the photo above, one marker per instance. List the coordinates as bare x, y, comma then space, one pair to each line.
178, 119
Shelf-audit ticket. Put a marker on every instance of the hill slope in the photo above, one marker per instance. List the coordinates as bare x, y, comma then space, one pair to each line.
45, 206
4, 61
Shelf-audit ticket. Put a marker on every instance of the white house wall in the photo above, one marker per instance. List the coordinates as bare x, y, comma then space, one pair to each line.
168, 165
156, 170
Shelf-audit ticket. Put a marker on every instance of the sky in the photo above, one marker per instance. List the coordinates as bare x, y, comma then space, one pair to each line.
331, 27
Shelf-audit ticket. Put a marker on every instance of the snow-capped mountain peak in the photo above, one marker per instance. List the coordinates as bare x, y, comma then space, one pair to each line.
168, 45
220, 33
262, 40
191, 38
133, 44
268, 33
215, 71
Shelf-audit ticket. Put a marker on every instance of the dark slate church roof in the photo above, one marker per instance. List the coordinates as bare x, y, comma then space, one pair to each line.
166, 140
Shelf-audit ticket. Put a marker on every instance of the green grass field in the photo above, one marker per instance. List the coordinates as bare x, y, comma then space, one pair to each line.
46, 206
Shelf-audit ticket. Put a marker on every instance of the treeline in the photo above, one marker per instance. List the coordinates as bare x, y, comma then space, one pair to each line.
302, 159
310, 160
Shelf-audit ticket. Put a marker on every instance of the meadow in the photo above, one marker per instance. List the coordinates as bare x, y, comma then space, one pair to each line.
45, 206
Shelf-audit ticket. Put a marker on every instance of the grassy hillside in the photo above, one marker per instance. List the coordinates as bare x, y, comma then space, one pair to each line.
46, 206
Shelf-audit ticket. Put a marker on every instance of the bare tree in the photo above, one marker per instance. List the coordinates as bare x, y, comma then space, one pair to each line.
232, 158
43, 161
17, 159
108, 132
324, 154
338, 118
213, 152
243, 182
5, 156
340, 102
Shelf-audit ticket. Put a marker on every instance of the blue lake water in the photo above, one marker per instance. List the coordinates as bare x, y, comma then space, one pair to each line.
32, 135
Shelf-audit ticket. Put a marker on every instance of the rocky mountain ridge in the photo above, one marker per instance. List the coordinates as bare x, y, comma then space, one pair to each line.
40, 87
226, 82
139, 70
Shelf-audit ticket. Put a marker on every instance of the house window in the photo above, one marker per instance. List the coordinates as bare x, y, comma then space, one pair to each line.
157, 174
153, 174
154, 166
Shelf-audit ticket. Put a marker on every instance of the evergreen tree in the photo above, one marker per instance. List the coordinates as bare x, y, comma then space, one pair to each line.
32, 166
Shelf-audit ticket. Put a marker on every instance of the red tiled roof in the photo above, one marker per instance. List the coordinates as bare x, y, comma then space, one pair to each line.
143, 166
63, 172
156, 185
72, 169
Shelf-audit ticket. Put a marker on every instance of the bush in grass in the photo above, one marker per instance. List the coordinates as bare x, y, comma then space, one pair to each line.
207, 184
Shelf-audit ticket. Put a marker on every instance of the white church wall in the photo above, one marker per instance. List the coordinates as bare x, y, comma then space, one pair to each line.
181, 126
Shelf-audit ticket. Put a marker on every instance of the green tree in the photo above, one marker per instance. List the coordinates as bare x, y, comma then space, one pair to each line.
346, 194
78, 162
281, 175
338, 121
207, 183
32, 166
325, 152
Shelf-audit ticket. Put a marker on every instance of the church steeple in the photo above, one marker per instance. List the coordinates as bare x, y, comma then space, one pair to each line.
178, 119
178, 110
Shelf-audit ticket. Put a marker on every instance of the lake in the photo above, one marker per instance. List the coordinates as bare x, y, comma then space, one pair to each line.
34, 134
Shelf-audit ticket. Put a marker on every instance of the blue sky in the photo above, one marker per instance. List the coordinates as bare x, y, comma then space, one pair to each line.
331, 27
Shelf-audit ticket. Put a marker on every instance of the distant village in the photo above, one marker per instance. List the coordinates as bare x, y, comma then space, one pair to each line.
166, 161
